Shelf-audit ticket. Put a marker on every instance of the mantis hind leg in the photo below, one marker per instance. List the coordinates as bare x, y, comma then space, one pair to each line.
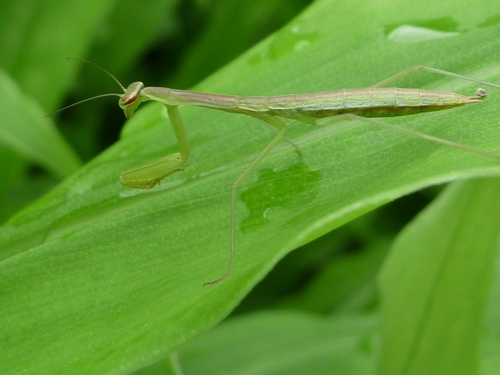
418, 68
279, 125
276, 130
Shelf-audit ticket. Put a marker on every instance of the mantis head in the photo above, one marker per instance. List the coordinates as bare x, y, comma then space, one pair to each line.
131, 99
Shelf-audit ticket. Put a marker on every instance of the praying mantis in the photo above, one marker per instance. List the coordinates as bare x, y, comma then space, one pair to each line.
322, 108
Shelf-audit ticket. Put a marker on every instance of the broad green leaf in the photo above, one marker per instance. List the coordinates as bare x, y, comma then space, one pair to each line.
435, 284
167, 366
285, 343
109, 278
490, 352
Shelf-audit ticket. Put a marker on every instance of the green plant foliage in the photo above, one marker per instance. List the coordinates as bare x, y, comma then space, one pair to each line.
98, 278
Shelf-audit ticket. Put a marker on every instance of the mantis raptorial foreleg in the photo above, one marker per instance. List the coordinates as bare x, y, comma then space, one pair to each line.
147, 175
322, 108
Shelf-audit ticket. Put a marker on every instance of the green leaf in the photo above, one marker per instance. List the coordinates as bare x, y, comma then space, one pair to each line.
110, 278
26, 131
435, 284
285, 343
